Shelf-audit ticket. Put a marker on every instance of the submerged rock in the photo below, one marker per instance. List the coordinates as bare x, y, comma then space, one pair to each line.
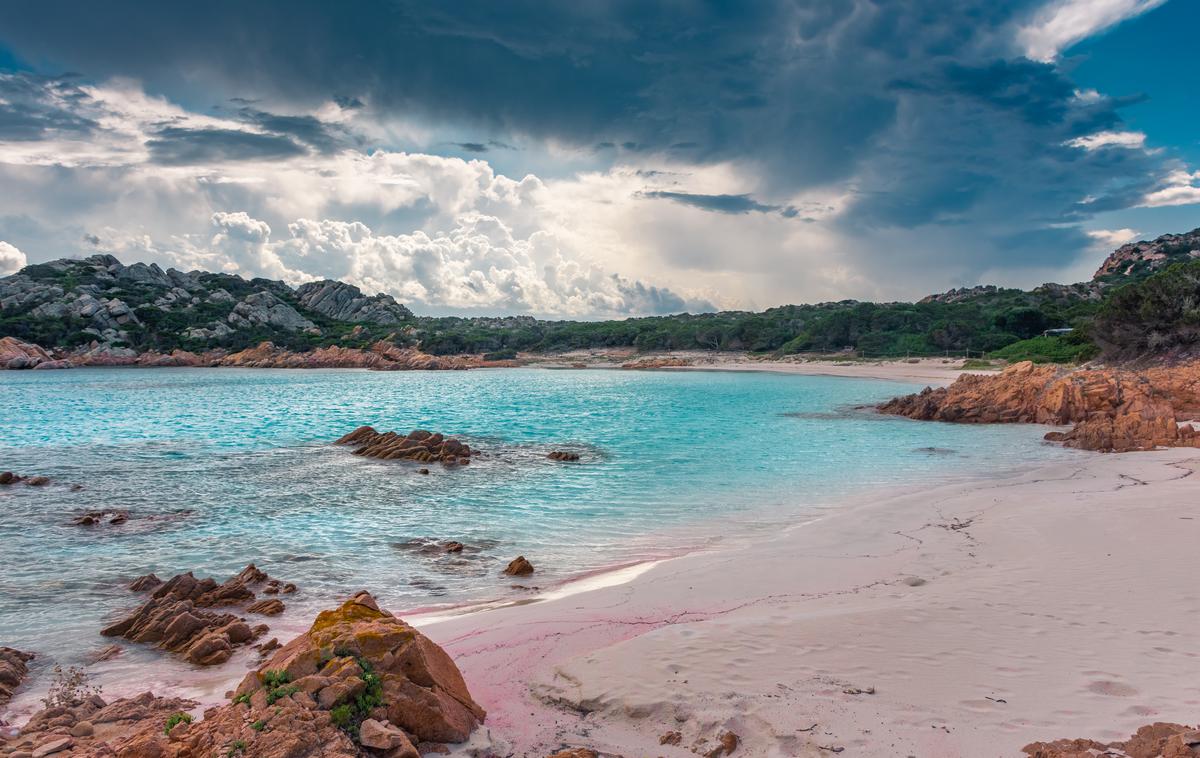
560, 455
418, 445
519, 567
93, 518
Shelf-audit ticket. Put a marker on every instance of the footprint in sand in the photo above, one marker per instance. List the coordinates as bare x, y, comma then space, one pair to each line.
1112, 689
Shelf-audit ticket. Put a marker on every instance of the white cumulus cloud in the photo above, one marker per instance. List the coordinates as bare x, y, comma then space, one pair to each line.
11, 259
1180, 188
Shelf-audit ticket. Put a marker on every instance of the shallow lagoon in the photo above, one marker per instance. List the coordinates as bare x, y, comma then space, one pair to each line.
221, 467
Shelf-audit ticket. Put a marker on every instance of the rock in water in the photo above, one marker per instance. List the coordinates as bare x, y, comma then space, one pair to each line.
176, 618
13, 670
418, 445
519, 567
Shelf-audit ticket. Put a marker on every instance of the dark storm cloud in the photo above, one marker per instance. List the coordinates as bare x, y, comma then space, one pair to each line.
38, 107
926, 107
174, 146
734, 204
304, 129
482, 147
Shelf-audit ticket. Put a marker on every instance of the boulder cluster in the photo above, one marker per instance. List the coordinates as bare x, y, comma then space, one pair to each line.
418, 445
359, 682
178, 616
1158, 740
86, 725
1113, 410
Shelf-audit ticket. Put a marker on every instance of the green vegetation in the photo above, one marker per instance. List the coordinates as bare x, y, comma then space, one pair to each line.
276, 683
1127, 314
1071, 348
259, 725
236, 748
175, 719
1159, 315
242, 698
349, 716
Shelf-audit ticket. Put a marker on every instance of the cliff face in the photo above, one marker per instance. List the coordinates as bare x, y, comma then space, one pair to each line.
1145, 257
1113, 410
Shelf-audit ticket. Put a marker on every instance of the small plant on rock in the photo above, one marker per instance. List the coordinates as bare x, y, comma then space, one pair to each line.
175, 719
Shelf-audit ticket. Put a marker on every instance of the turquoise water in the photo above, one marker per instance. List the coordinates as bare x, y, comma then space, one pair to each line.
221, 467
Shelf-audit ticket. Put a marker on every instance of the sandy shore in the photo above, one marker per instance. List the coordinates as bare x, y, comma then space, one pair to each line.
933, 371
967, 620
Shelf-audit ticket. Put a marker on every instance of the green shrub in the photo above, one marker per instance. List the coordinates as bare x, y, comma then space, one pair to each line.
1048, 349
174, 720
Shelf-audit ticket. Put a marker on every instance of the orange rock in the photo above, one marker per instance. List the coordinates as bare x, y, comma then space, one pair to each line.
519, 567
1113, 410
1158, 740
12, 671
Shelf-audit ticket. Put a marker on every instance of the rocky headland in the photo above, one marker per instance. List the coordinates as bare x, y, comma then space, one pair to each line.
359, 682
1112, 409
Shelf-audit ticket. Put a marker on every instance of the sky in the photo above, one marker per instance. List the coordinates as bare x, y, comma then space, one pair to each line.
601, 159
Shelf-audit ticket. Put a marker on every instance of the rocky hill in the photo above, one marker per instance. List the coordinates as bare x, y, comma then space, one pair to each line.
1140, 259
69, 303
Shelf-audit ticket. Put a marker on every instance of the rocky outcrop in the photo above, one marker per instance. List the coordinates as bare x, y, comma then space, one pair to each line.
409, 682
265, 309
1146, 257
100, 300
13, 669
1113, 410
381, 356
345, 302
563, 455
359, 681
418, 445
176, 616
15, 354
1158, 740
